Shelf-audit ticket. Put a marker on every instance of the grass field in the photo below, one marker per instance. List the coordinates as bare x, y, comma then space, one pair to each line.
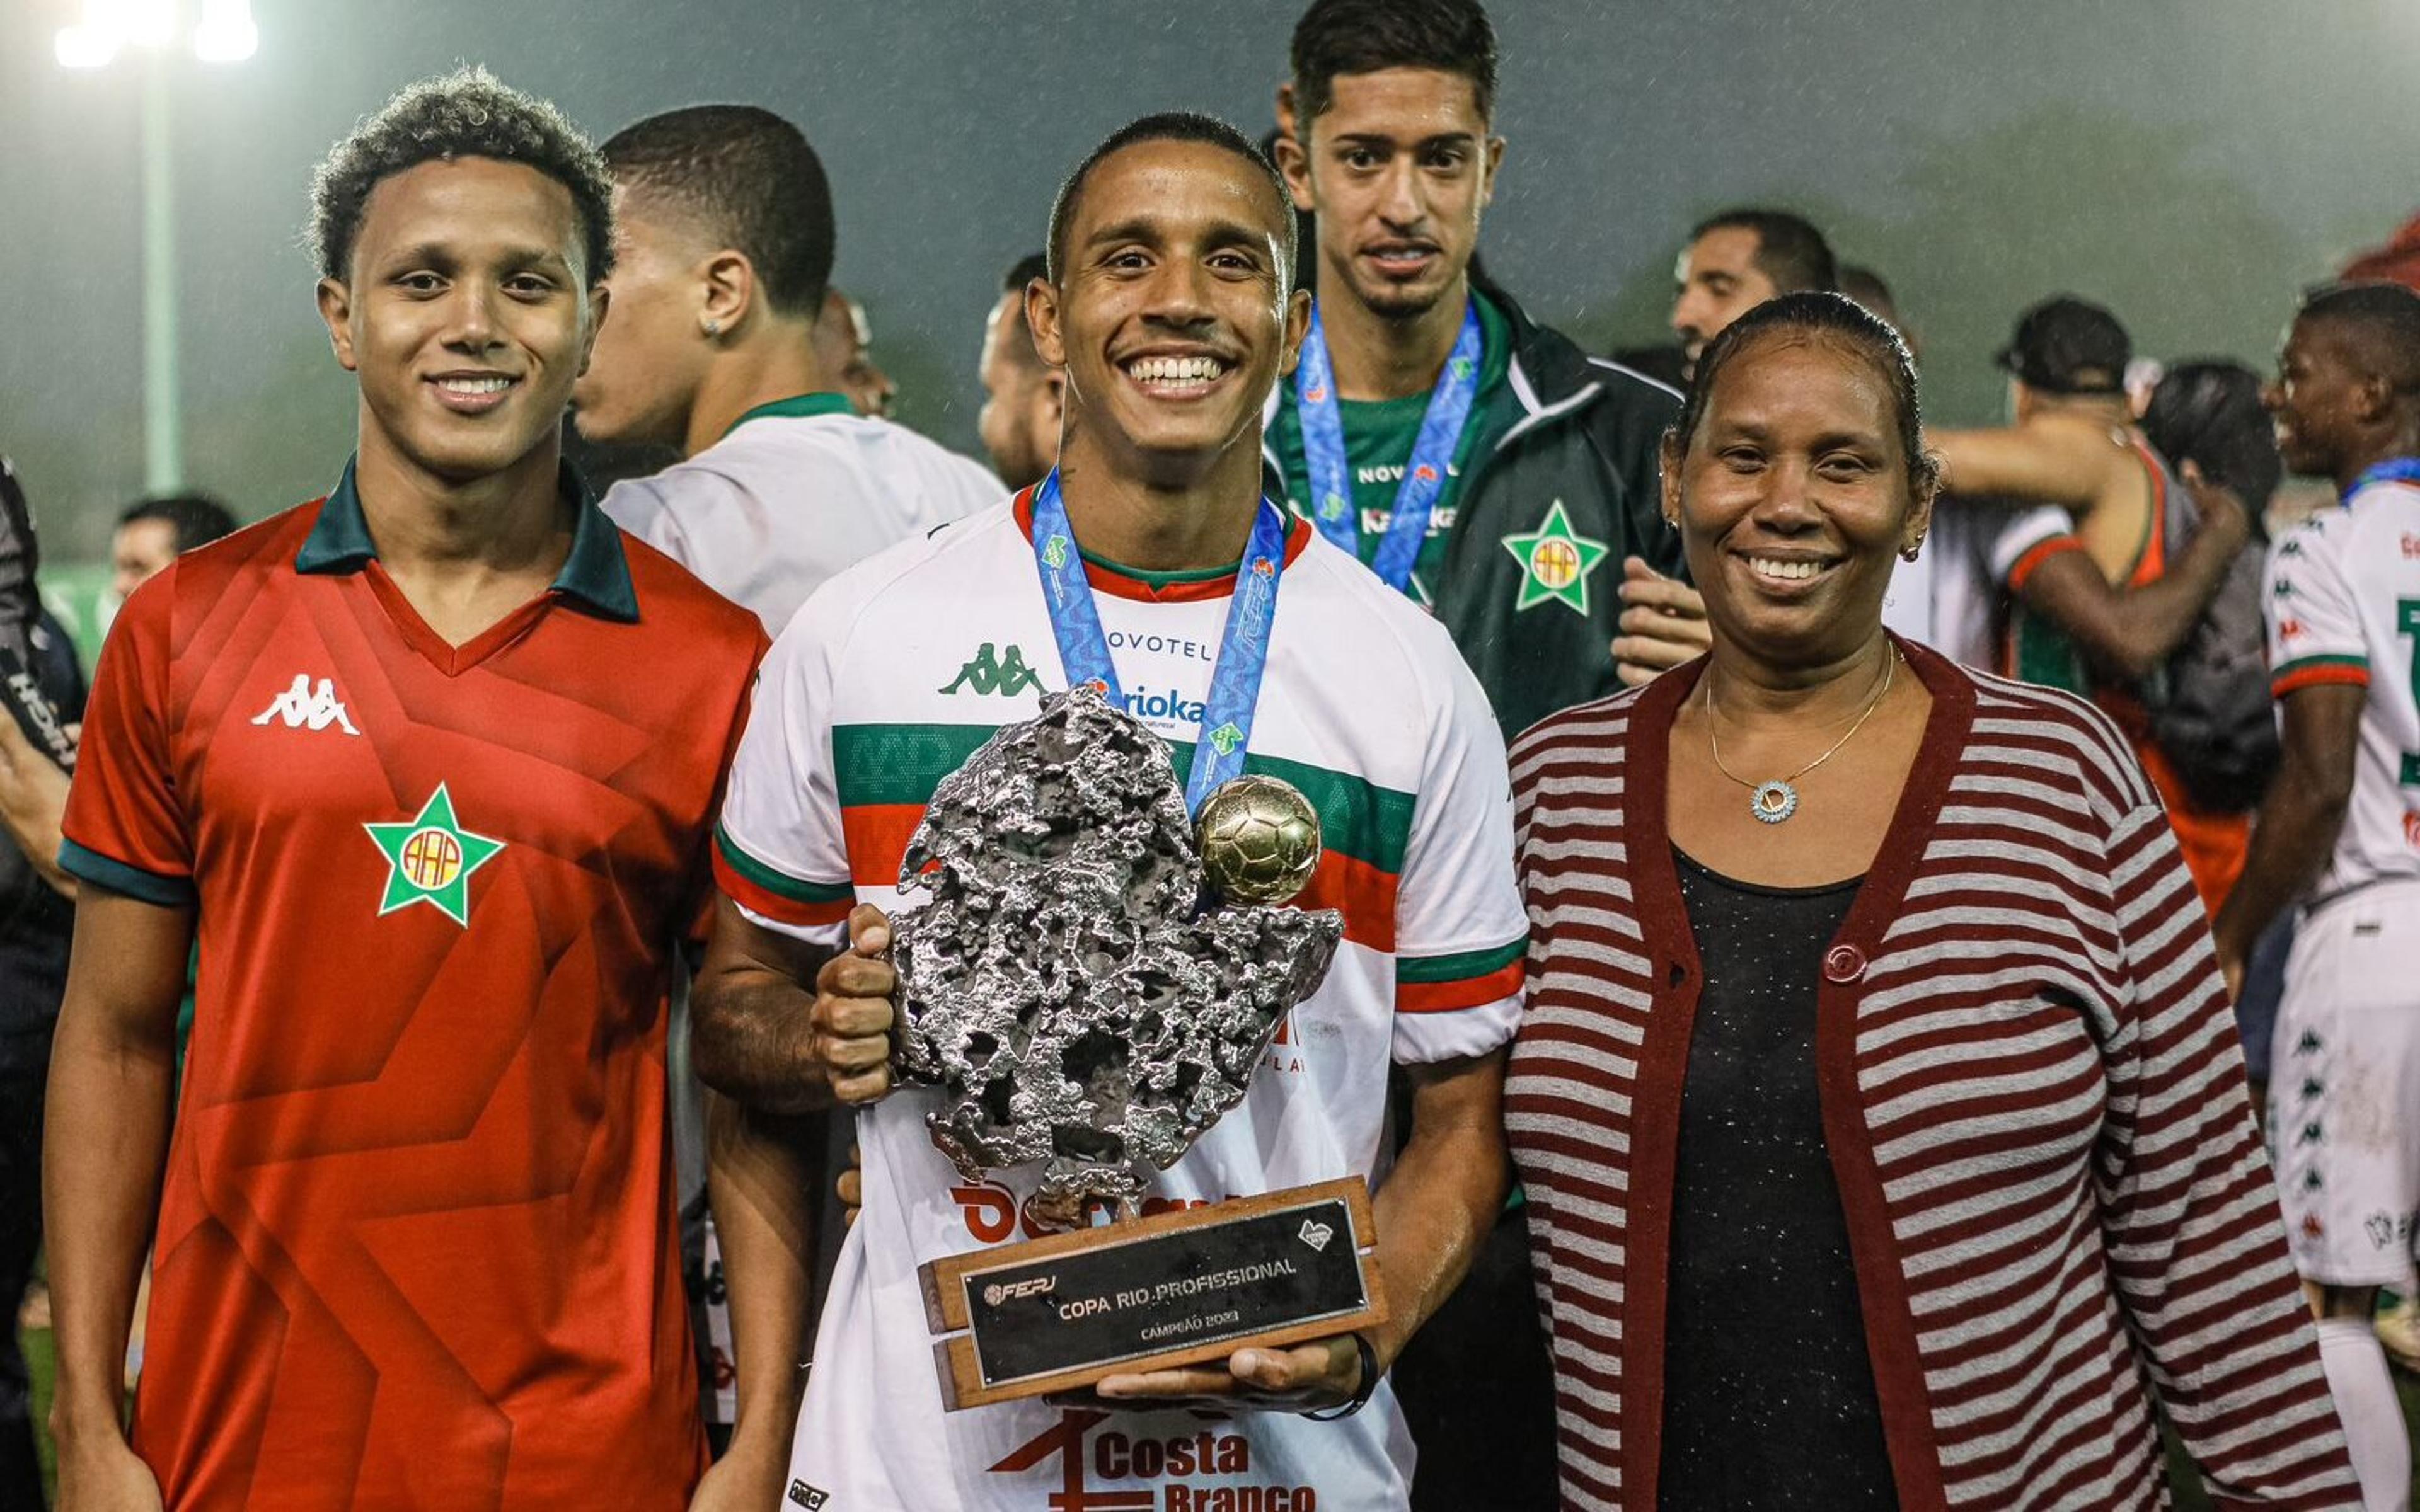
2190, 1498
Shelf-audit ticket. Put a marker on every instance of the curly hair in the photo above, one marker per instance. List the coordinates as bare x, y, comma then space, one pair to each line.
466, 114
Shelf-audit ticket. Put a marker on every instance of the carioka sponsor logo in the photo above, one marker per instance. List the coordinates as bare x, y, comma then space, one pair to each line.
305, 708
1163, 703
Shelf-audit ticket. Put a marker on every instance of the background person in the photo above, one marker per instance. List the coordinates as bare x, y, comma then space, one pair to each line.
724, 249
1827, 1043
1736, 261
843, 347
2113, 515
1024, 397
1546, 484
2206, 413
36, 921
1484, 466
726, 245
2336, 837
151, 532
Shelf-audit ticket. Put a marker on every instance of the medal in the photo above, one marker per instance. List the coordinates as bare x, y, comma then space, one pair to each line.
1242, 648
2401, 469
1323, 455
1259, 840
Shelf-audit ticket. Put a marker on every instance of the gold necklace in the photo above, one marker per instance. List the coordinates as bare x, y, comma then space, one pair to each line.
1776, 800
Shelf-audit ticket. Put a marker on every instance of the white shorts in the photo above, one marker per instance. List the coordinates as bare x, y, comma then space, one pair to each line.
2344, 1089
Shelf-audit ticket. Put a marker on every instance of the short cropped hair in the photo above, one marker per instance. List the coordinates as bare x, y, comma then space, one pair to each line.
467, 114
746, 177
2208, 411
1365, 36
193, 519
1789, 250
1025, 271
1020, 274
1831, 316
2384, 321
1171, 125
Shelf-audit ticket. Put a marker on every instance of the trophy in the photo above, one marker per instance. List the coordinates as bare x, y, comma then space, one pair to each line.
1091, 983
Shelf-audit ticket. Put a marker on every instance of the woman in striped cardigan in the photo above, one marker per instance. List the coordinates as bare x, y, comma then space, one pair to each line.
1885, 1136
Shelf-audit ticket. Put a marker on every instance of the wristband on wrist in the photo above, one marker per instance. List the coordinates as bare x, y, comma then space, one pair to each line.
1361, 1394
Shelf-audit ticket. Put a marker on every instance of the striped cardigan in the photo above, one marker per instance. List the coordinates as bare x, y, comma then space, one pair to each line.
2058, 1204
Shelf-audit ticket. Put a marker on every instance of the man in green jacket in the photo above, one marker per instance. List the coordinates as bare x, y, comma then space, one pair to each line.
1477, 461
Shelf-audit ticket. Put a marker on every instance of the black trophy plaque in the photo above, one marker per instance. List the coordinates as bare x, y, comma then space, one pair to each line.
1179, 1288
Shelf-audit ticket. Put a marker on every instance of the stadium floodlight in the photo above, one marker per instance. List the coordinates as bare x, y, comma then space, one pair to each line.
82, 47
222, 33
225, 33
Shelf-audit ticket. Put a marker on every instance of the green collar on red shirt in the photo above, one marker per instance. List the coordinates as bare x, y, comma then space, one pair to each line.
597, 574
798, 407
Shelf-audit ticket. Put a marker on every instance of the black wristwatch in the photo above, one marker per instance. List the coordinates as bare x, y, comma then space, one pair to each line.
1361, 1394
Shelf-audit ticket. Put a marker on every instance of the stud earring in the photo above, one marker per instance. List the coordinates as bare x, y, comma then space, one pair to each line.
1907, 553
713, 327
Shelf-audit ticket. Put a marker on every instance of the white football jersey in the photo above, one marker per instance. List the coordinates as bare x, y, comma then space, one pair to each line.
2343, 601
882, 685
794, 492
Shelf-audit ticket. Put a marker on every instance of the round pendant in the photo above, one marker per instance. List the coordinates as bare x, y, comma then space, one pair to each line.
1773, 801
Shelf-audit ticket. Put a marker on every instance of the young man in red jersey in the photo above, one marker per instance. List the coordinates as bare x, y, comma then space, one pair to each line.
383, 758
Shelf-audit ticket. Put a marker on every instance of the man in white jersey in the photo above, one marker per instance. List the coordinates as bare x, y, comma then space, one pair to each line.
1169, 304
845, 345
2340, 834
725, 249
724, 245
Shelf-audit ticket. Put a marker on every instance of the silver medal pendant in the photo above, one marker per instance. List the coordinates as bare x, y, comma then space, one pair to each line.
1773, 801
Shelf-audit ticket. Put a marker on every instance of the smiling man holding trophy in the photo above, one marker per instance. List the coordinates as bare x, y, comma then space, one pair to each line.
1121, 1088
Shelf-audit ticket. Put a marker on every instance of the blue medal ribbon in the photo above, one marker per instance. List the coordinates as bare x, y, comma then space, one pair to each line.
1243, 649
2398, 470
1324, 457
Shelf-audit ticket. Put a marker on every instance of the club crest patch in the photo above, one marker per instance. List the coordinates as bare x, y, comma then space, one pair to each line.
1555, 561
430, 857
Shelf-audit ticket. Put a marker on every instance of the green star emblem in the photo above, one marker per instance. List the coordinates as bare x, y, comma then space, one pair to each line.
431, 858
1555, 561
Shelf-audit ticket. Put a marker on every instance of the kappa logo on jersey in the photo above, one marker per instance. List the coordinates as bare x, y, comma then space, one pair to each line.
986, 671
305, 708
1555, 561
430, 857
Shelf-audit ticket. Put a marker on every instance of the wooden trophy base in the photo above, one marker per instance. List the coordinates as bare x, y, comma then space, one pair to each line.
1061, 1313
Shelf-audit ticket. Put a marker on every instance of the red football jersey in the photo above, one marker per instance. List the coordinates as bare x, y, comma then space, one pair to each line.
416, 1247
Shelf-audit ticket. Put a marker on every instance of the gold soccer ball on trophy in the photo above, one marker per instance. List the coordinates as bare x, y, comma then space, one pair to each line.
1259, 840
